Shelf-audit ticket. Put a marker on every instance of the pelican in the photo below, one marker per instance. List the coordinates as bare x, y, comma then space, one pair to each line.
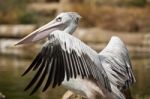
66, 60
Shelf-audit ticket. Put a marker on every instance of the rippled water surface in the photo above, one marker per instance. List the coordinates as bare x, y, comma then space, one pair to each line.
12, 84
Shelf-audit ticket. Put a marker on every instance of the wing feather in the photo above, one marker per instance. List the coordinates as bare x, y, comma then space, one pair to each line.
67, 70
72, 59
49, 80
40, 80
116, 62
77, 63
54, 73
65, 56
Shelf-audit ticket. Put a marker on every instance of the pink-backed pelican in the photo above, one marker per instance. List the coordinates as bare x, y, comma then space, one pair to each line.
66, 60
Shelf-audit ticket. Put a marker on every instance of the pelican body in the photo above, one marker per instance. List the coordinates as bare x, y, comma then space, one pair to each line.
66, 60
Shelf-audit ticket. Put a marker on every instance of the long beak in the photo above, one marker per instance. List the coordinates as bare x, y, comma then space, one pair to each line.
41, 33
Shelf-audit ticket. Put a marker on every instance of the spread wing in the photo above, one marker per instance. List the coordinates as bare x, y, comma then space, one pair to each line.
116, 62
65, 56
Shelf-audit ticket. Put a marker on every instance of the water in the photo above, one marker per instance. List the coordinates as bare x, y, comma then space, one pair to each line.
141, 89
12, 84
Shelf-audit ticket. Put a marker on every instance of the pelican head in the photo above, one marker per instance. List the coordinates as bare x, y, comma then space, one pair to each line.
66, 21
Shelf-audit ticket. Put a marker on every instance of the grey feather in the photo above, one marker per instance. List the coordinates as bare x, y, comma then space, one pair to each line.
116, 62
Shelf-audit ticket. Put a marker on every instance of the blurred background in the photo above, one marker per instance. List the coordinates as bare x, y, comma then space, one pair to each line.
128, 19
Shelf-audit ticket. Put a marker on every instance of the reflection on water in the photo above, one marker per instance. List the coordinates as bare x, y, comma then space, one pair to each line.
12, 84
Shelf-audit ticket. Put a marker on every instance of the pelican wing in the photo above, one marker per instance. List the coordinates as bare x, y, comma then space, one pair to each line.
116, 62
64, 56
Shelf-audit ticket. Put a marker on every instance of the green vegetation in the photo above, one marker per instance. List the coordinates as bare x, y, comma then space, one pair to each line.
14, 11
120, 2
128, 15
139, 3
131, 19
28, 17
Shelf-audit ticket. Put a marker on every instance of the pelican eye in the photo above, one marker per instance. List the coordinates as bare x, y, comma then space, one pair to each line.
59, 19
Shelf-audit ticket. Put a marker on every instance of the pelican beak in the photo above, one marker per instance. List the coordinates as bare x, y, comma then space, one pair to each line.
41, 32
